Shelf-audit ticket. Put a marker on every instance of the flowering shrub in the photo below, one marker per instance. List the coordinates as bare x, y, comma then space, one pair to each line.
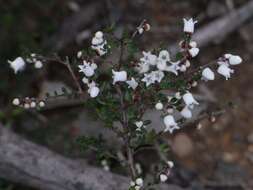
125, 88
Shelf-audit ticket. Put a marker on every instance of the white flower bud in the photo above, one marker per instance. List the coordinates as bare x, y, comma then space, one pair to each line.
85, 80
119, 76
183, 68
18, 64
147, 27
189, 25
79, 54
194, 52
38, 64
225, 71
106, 168
163, 177
16, 101
208, 74
93, 91
170, 110
139, 181
140, 30
194, 83
177, 95
99, 34
235, 60
193, 44
170, 123
132, 183
159, 106
26, 106
170, 164
189, 100
227, 55
42, 104
187, 63
186, 113
33, 104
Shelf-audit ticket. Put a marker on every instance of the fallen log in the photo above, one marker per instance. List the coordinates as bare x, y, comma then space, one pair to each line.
24, 162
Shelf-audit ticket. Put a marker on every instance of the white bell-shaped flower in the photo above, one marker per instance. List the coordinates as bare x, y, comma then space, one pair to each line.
38, 64
225, 71
186, 113
87, 69
16, 101
148, 58
132, 83
164, 55
163, 177
157, 75
189, 25
148, 79
143, 67
235, 60
208, 74
93, 90
170, 124
119, 76
18, 64
194, 52
189, 100
99, 34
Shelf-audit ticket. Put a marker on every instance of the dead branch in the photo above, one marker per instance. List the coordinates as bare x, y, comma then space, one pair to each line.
24, 162
220, 28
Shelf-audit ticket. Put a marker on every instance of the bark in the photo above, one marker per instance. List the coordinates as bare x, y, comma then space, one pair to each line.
24, 162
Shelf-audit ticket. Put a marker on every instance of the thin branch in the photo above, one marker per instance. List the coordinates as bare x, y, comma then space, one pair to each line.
67, 63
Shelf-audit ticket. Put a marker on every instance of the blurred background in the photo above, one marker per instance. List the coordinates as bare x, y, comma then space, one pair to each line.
218, 154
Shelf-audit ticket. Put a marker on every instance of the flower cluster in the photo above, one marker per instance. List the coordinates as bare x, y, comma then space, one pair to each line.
28, 103
137, 184
19, 64
105, 165
99, 44
225, 62
165, 174
88, 69
135, 84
